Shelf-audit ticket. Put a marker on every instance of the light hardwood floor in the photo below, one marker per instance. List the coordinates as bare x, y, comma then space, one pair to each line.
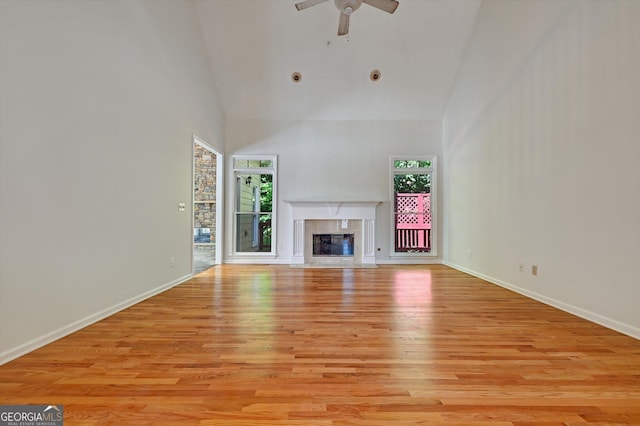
271, 345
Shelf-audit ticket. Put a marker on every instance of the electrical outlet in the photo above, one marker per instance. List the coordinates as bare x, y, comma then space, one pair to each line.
469, 254
172, 261
521, 267
534, 270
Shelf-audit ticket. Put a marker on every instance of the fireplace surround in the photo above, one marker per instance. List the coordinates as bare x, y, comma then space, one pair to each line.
334, 217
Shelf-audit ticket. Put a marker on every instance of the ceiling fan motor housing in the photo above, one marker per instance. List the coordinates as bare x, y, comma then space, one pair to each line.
347, 6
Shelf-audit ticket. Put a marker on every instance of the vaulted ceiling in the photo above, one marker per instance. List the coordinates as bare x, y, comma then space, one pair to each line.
255, 46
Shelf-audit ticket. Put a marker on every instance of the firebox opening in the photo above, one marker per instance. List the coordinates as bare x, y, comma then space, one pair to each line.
333, 245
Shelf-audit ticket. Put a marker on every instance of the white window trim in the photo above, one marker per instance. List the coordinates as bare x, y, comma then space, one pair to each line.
434, 204
235, 171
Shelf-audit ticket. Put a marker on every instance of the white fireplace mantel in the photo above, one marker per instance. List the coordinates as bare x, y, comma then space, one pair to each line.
304, 210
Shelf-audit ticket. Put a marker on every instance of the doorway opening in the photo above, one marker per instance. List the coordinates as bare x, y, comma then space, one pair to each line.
207, 179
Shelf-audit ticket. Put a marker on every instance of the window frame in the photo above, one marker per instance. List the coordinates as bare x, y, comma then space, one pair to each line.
432, 171
238, 170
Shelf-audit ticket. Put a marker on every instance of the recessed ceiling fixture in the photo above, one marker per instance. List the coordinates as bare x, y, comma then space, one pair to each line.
296, 77
375, 75
347, 7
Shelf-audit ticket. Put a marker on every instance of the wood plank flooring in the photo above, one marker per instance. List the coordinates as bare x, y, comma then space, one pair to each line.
272, 345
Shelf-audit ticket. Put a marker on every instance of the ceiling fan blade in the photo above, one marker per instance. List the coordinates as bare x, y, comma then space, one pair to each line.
388, 6
308, 3
343, 26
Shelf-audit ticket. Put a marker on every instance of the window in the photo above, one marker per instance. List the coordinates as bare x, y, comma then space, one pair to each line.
412, 188
254, 215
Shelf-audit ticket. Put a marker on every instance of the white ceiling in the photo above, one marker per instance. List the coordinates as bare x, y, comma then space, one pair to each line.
255, 46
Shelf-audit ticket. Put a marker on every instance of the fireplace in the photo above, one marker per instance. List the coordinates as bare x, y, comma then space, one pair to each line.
334, 220
332, 244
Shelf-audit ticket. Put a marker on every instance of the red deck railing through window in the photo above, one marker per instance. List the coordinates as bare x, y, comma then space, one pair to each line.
413, 222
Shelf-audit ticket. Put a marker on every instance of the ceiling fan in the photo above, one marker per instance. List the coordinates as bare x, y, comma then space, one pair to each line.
347, 7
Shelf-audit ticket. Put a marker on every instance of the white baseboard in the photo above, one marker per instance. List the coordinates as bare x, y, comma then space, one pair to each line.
244, 260
256, 261
410, 261
41, 341
610, 323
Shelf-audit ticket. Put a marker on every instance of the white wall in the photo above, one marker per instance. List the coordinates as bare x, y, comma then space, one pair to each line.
99, 101
541, 150
330, 160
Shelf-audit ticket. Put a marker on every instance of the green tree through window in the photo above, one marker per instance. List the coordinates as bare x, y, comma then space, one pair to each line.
412, 183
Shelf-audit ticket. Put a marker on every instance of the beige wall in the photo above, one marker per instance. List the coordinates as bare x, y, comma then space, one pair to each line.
327, 160
100, 101
541, 155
